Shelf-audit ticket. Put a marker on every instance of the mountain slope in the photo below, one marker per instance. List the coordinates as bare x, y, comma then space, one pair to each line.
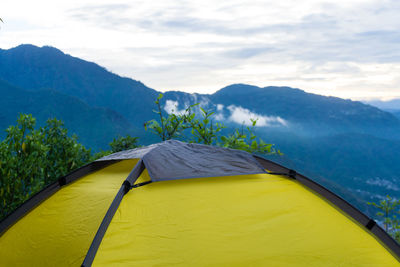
35, 68
365, 165
28, 66
343, 141
95, 127
393, 104
316, 113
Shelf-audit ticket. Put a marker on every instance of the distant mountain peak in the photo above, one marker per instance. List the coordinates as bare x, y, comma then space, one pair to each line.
35, 49
240, 88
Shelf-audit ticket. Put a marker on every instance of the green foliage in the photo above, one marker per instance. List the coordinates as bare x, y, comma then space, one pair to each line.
168, 127
388, 208
124, 143
31, 159
22, 156
247, 141
203, 130
63, 153
118, 144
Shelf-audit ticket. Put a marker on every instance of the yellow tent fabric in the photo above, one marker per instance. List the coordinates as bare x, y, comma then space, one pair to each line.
241, 220
60, 230
247, 220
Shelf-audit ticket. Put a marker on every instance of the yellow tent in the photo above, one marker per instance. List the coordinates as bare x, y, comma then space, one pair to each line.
190, 205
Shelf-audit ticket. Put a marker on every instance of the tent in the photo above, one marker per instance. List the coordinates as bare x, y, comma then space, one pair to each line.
190, 205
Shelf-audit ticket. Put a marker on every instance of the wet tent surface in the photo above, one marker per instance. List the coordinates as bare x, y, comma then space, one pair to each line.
246, 220
60, 230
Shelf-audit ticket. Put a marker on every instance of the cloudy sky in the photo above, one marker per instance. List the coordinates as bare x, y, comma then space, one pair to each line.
348, 48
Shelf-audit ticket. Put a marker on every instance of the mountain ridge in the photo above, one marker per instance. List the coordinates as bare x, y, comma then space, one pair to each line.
335, 139
28, 66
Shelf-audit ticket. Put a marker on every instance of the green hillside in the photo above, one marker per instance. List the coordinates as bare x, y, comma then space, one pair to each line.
95, 127
35, 68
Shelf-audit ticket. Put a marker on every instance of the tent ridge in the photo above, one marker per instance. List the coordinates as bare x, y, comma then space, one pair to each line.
160, 179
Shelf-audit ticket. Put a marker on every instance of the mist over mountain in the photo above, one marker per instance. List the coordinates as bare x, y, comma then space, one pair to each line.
293, 109
350, 147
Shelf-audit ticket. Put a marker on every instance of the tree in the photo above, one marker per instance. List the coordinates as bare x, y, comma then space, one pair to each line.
63, 153
201, 129
22, 157
31, 159
247, 141
118, 144
388, 208
169, 127
124, 143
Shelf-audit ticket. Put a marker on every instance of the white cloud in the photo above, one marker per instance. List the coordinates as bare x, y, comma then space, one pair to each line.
203, 101
219, 117
242, 115
172, 107
387, 184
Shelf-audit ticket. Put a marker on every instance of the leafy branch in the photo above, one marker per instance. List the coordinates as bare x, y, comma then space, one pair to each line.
388, 208
201, 129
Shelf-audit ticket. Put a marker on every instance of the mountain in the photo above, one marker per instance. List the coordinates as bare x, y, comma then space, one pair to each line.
305, 108
350, 147
35, 68
95, 127
393, 104
306, 113
395, 112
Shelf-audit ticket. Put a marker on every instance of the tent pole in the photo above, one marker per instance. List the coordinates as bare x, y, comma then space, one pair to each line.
125, 187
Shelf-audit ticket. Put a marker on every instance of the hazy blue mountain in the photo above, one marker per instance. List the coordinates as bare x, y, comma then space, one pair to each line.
338, 142
95, 127
393, 104
395, 112
309, 114
305, 108
35, 68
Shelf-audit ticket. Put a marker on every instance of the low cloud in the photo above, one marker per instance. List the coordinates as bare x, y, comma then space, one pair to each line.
236, 114
218, 115
172, 107
387, 184
243, 115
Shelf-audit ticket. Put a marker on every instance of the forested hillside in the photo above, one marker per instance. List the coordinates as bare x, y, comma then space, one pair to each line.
349, 146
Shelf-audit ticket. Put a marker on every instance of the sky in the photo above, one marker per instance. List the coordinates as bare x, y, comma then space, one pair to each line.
349, 49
